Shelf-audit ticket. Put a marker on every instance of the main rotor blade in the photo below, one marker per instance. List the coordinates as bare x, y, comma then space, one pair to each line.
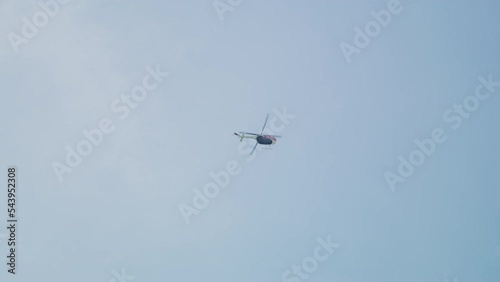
254, 147
264, 124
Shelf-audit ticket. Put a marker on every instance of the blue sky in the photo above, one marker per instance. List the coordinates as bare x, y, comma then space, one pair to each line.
119, 209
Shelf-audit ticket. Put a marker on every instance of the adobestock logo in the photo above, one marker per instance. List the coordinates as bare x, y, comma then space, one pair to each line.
309, 265
121, 277
406, 167
372, 29
211, 190
121, 106
30, 28
454, 116
223, 6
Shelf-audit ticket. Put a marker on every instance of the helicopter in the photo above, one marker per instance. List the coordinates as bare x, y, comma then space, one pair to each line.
260, 138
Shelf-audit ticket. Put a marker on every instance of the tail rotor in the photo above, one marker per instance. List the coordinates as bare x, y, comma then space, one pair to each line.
240, 135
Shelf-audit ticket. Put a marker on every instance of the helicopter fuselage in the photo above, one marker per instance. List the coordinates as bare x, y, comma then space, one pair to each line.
265, 139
